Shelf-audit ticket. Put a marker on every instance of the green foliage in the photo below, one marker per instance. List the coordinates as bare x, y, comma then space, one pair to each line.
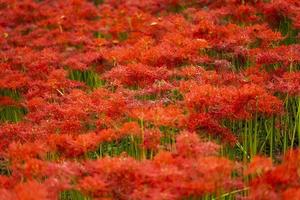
4, 167
287, 30
130, 145
72, 195
14, 94
11, 113
98, 2
122, 36
90, 78
98, 34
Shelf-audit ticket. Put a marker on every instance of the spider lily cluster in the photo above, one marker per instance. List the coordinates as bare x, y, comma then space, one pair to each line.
149, 99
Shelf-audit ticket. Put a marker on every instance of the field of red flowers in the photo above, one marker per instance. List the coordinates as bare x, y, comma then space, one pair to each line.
149, 99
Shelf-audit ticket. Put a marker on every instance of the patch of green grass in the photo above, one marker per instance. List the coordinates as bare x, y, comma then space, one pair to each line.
73, 195
146, 97
14, 94
4, 167
98, 2
176, 95
130, 145
52, 156
90, 78
98, 34
122, 36
11, 113
288, 31
168, 139
177, 8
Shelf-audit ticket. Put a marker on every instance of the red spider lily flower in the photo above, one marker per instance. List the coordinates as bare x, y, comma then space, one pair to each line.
137, 75
131, 128
173, 72
291, 193
12, 79
31, 168
189, 145
31, 190
210, 125
77, 145
18, 152
151, 139
259, 165
289, 83
7, 101
278, 180
93, 185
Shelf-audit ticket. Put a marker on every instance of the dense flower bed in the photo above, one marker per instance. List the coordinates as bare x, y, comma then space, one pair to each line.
149, 99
